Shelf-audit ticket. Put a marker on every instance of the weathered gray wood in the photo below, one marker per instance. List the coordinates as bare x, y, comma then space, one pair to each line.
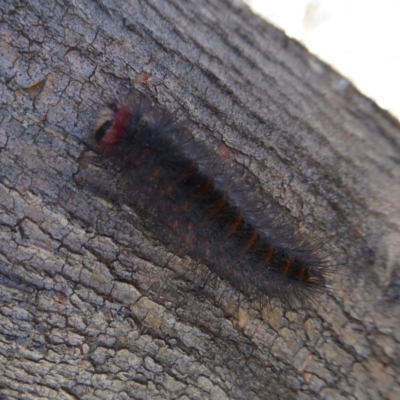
92, 306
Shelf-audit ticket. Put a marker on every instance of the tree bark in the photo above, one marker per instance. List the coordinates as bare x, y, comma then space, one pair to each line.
92, 305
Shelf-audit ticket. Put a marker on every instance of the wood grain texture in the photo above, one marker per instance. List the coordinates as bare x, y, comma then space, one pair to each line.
92, 305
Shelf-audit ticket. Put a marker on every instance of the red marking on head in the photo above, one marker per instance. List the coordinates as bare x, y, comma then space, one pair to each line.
119, 118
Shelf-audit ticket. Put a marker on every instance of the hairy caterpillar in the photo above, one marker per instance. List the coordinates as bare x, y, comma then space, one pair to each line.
187, 187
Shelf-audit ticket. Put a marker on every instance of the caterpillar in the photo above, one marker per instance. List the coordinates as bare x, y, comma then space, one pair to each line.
188, 189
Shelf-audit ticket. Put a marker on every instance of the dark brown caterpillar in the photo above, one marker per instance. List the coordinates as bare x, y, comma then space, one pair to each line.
188, 189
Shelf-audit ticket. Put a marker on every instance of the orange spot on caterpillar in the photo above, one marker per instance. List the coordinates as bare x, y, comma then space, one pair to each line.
142, 158
234, 225
204, 187
285, 267
303, 274
175, 227
170, 188
251, 240
191, 168
185, 206
156, 173
218, 206
268, 255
